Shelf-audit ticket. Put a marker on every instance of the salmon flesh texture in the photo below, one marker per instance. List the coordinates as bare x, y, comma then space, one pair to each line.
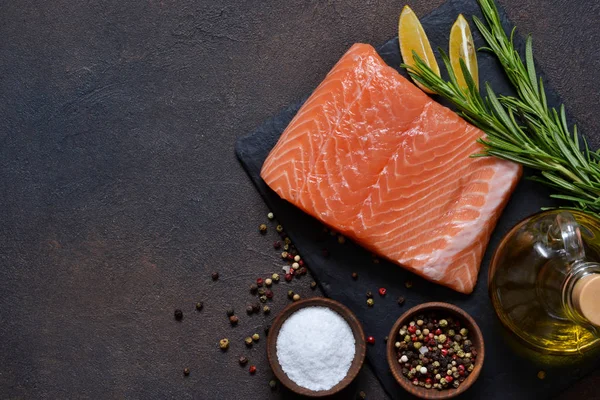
372, 156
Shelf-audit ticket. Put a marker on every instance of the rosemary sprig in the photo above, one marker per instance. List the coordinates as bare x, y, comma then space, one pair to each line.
521, 128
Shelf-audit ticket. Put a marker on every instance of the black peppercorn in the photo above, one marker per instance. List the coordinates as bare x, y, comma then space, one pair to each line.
401, 301
186, 371
369, 295
199, 306
354, 276
362, 395
313, 285
178, 314
233, 320
243, 360
230, 312
256, 308
249, 310
215, 276
253, 288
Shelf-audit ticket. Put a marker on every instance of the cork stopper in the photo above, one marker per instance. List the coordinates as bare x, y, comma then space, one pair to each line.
586, 297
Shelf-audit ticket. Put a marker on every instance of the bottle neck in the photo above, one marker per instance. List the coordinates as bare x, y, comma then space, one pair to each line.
581, 295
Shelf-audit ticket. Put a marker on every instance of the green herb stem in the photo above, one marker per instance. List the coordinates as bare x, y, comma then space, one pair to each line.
520, 128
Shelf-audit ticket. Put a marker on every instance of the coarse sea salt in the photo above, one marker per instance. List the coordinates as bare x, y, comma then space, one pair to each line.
315, 348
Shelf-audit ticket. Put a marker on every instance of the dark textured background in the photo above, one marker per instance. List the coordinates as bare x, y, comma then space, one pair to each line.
120, 191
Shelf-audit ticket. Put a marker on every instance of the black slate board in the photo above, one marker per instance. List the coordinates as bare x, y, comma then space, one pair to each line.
509, 370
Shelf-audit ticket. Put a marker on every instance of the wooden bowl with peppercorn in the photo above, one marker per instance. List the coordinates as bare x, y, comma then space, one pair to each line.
316, 347
435, 351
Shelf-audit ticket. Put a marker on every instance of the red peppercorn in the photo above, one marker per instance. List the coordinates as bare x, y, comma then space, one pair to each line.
444, 352
449, 379
382, 291
288, 277
371, 340
415, 381
277, 245
252, 369
414, 338
431, 335
290, 257
259, 282
461, 373
428, 380
412, 329
269, 294
438, 331
292, 271
301, 262
461, 367
454, 357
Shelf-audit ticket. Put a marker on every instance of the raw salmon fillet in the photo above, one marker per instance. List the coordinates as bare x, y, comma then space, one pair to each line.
373, 157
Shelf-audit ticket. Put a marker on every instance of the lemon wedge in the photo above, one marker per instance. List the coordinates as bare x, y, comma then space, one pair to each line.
462, 47
412, 37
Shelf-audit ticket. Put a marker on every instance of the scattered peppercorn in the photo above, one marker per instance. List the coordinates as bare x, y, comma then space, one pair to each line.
273, 384
262, 228
287, 240
224, 344
266, 309
370, 302
354, 276
288, 277
233, 320
263, 299
268, 282
400, 300
199, 306
277, 245
371, 340
178, 314
261, 292
296, 297
284, 254
270, 215
252, 369
369, 295
186, 371
269, 294
275, 277
243, 360
382, 291
541, 375
313, 285
362, 395
215, 276
249, 310
279, 228
290, 294
255, 337
256, 307
385, 339
253, 288
259, 282
408, 284
230, 312
248, 341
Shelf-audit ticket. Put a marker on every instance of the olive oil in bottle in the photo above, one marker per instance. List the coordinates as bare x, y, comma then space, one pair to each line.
544, 282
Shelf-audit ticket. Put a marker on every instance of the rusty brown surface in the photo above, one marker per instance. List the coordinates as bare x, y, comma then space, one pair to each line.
120, 192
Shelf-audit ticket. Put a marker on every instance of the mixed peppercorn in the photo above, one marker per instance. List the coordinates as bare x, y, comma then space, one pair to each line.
435, 353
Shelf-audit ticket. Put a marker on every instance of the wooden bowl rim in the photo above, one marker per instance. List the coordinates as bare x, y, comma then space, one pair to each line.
349, 317
434, 393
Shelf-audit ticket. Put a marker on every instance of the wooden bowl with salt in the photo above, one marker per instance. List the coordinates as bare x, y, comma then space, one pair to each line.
342, 311
442, 309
